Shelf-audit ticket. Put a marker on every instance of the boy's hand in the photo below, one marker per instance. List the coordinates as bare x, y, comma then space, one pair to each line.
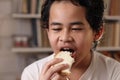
51, 72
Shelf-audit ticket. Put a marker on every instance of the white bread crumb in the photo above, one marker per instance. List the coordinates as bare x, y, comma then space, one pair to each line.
67, 59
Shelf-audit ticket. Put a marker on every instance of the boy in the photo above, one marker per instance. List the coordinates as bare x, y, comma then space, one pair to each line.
73, 25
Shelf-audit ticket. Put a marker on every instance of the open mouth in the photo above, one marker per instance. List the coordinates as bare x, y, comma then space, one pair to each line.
67, 49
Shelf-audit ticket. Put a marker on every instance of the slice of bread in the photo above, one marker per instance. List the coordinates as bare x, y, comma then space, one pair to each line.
67, 59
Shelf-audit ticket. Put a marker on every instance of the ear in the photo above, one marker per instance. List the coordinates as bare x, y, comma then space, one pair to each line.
99, 34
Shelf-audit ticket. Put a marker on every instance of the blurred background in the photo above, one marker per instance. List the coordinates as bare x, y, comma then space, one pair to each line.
23, 41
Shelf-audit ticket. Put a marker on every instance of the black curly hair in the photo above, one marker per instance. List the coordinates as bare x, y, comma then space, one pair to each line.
94, 12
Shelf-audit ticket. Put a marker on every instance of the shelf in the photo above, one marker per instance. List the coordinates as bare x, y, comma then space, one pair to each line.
47, 50
108, 49
31, 50
112, 18
26, 16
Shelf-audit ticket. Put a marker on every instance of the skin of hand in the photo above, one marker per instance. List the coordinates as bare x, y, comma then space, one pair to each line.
51, 72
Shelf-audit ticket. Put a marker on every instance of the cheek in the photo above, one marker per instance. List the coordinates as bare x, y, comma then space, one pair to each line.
52, 39
79, 40
84, 40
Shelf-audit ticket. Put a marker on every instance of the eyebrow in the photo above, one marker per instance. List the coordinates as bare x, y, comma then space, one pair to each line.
72, 23
55, 23
76, 23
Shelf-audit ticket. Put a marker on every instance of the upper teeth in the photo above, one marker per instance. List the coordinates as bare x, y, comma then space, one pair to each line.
67, 49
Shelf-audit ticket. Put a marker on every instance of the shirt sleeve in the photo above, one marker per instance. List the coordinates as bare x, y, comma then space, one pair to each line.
117, 75
30, 73
116, 71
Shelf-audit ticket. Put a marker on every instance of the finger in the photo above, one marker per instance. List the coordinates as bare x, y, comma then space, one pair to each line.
55, 77
50, 63
59, 77
56, 69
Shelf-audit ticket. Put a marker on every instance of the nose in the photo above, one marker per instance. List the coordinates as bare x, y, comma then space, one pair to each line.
65, 37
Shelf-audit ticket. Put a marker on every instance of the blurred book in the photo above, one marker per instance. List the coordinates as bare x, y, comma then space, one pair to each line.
114, 8
112, 54
111, 37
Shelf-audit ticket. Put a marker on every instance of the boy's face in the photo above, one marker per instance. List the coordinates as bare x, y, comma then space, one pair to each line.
69, 30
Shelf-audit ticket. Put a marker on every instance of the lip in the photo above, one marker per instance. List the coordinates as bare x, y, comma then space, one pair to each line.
73, 54
66, 46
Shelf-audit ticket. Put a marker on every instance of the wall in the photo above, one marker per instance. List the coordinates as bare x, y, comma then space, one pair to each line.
12, 64
8, 60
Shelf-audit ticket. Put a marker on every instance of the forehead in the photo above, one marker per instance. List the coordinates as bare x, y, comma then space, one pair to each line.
68, 5
65, 10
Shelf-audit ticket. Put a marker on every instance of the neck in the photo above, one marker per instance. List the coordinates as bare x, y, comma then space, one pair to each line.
79, 68
83, 64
